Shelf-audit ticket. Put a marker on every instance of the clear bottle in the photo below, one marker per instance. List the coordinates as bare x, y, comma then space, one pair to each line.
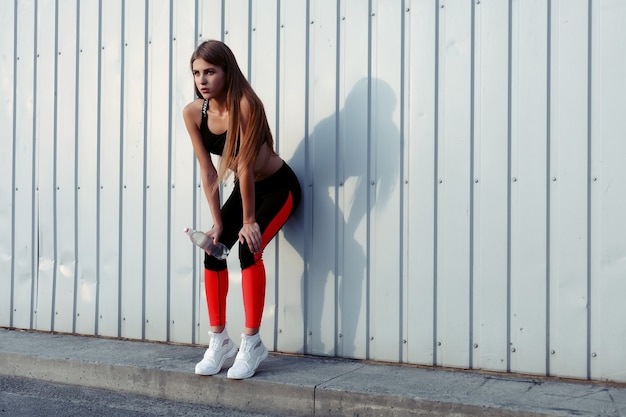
217, 250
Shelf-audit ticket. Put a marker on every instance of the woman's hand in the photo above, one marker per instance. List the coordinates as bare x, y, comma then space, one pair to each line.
250, 233
214, 234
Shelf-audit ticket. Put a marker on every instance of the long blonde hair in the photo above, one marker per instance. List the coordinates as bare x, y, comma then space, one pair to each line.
244, 149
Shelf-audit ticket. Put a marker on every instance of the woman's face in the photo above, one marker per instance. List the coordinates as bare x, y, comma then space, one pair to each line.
209, 79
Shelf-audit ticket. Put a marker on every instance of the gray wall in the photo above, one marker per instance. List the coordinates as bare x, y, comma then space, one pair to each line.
462, 166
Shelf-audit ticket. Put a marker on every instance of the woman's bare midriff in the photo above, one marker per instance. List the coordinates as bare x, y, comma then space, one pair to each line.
267, 163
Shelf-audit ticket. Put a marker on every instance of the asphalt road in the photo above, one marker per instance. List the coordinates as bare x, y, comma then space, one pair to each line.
21, 397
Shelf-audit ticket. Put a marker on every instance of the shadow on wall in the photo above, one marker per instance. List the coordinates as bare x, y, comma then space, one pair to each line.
334, 216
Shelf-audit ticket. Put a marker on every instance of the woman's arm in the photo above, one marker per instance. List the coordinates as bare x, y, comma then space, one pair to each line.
192, 114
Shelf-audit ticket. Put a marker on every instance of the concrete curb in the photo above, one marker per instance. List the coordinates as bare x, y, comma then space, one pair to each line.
297, 385
250, 395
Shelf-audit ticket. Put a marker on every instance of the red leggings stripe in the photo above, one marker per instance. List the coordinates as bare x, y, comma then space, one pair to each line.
274, 226
253, 278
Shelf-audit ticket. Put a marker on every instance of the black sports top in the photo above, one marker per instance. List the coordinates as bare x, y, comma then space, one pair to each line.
212, 142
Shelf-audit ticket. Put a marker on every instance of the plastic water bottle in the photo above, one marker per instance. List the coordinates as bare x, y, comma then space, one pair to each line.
217, 250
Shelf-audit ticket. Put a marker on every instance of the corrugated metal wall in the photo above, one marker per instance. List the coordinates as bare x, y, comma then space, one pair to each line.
462, 163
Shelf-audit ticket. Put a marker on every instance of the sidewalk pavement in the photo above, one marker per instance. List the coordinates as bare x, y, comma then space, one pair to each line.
293, 385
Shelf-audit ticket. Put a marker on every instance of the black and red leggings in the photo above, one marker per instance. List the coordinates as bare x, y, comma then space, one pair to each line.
276, 198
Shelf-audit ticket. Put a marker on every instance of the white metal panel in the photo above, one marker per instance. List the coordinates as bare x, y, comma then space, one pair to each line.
368, 254
157, 237
209, 21
386, 229
608, 226
133, 144
453, 230
321, 290
491, 186
568, 192
184, 286
87, 169
24, 264
420, 213
352, 203
237, 31
237, 27
45, 135
263, 76
529, 124
109, 169
210, 18
290, 144
8, 32
65, 166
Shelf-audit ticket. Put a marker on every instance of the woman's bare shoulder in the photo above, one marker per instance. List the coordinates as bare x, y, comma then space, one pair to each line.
193, 108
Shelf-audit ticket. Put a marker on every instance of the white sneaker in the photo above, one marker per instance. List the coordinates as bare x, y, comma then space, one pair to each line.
251, 353
221, 348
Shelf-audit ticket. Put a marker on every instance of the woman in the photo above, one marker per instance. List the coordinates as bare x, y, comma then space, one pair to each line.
228, 119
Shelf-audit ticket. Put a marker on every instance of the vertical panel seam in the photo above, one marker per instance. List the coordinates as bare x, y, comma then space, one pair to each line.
508, 186
13, 161
472, 168
307, 169
121, 172
223, 20
547, 179
144, 173
250, 41
34, 251
402, 234
337, 176
196, 199
76, 163
55, 134
277, 142
589, 161
368, 266
98, 167
435, 183
169, 184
